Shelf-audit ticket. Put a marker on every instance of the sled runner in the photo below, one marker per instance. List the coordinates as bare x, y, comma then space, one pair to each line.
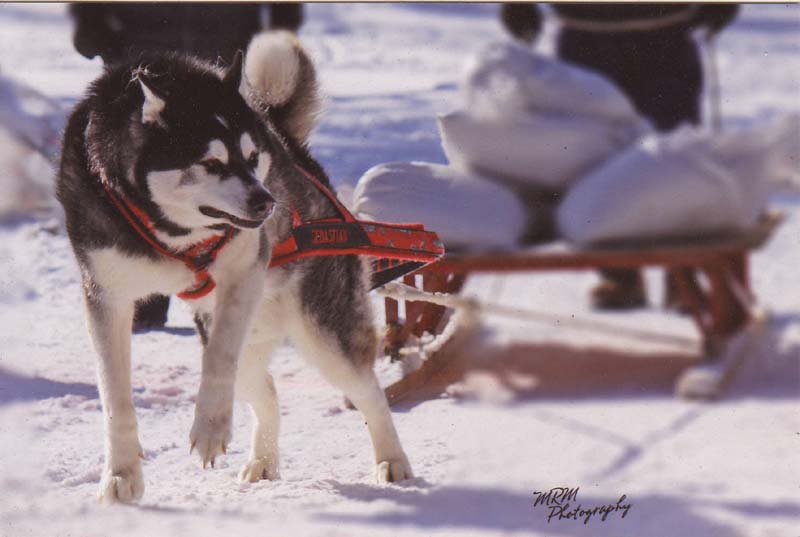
723, 307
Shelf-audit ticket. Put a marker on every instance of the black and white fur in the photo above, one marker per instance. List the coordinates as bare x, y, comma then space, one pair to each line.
195, 146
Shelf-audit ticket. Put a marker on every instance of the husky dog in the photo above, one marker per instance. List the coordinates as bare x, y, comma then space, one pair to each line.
169, 156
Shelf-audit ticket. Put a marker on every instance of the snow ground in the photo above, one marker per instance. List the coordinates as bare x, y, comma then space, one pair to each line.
542, 407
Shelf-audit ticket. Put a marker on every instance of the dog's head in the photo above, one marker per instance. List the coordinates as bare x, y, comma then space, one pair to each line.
204, 154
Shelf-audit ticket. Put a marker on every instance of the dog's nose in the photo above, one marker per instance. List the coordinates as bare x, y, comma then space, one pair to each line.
260, 202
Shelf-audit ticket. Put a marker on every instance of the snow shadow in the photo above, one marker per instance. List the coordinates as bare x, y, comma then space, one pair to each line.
781, 21
772, 371
172, 330
521, 371
15, 220
510, 373
18, 388
487, 509
18, 15
759, 509
476, 10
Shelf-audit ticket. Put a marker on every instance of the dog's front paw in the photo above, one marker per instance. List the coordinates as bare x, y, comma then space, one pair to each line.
394, 470
260, 468
210, 436
122, 485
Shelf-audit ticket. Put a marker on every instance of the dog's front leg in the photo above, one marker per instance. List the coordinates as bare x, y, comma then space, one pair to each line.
236, 302
110, 321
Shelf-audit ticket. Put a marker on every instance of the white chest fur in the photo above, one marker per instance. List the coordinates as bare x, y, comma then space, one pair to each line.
135, 277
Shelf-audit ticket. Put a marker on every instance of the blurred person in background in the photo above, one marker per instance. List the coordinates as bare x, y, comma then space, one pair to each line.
122, 32
650, 52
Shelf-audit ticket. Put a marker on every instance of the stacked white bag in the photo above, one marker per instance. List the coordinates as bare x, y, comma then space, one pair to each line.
536, 121
463, 209
687, 183
531, 121
505, 79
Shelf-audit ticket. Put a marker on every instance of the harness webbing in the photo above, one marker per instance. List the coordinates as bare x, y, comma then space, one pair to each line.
197, 257
398, 249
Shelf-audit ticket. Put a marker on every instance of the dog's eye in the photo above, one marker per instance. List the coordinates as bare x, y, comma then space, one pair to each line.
252, 160
214, 166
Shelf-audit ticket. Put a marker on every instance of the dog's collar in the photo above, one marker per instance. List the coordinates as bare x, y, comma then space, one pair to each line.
196, 257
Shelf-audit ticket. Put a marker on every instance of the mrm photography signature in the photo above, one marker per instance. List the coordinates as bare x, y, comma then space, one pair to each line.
562, 503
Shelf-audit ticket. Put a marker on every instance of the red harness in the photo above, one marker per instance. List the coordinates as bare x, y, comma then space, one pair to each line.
197, 257
398, 249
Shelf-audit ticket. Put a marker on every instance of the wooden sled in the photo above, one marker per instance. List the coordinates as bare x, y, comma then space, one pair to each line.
711, 274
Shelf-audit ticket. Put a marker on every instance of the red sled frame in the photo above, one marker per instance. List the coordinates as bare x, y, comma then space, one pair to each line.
721, 306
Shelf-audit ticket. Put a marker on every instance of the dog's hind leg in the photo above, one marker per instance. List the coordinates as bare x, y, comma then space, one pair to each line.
354, 376
255, 386
110, 322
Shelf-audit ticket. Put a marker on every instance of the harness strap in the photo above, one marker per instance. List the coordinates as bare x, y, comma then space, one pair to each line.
328, 194
398, 248
196, 258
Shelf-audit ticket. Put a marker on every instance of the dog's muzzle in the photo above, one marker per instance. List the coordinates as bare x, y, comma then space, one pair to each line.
260, 204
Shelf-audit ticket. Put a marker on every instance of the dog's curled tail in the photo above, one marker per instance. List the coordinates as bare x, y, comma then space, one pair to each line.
280, 81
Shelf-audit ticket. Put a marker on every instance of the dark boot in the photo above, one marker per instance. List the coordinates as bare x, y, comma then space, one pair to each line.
673, 300
621, 289
150, 313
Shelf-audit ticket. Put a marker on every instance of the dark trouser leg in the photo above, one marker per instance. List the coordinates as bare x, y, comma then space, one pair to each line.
672, 296
151, 312
662, 76
286, 16
620, 289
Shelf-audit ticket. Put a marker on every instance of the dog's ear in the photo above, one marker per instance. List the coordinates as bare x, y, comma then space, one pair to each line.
153, 105
233, 76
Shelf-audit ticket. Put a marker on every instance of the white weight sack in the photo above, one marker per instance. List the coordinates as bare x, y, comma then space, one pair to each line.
544, 150
675, 185
504, 79
464, 210
769, 151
